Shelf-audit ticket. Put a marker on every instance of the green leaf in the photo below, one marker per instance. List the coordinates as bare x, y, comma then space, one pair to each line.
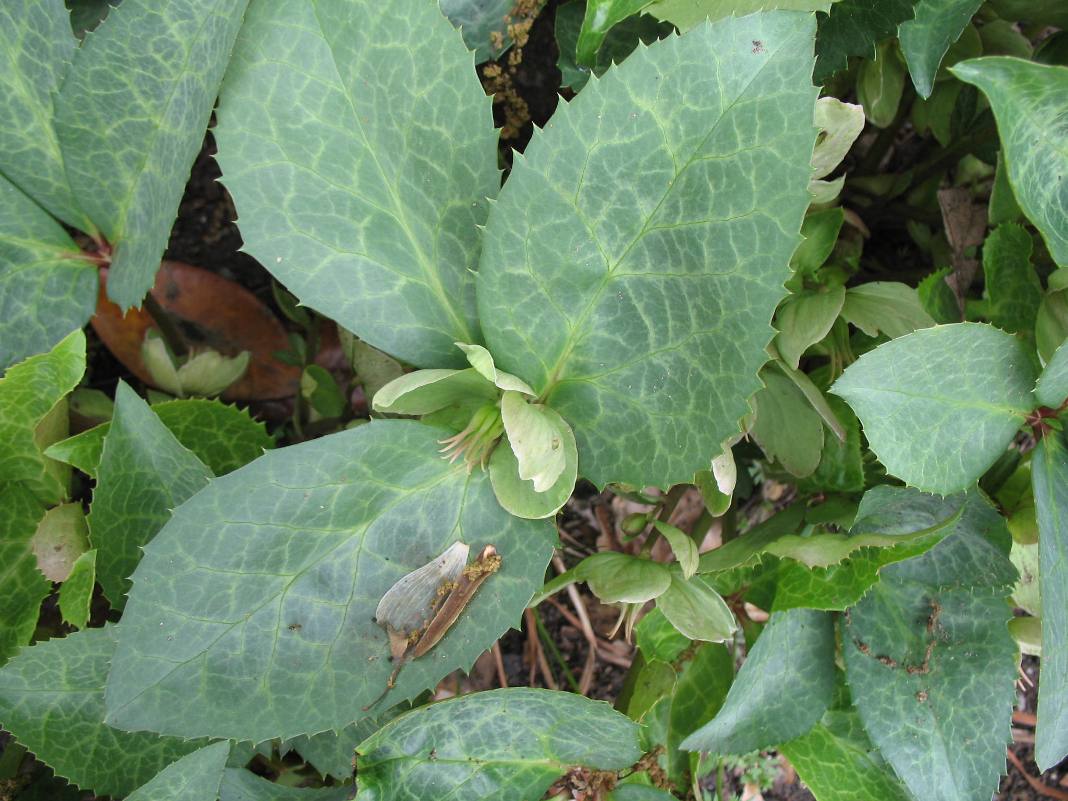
483, 23
1012, 284
700, 690
46, 289
804, 319
926, 37
145, 473
61, 537
130, 121
600, 17
853, 28
654, 682
826, 582
418, 166
1027, 99
697, 610
841, 468
194, 777
1052, 387
511, 743
52, 700
1049, 472
24, 586
787, 428
820, 231
940, 405
829, 570
880, 83
76, 593
1003, 206
646, 301
1048, 12
782, 689
932, 673
29, 392
837, 761
657, 639
1051, 326
519, 496
222, 436
937, 297
1027, 594
318, 387
308, 540
974, 555
683, 546
885, 307
686, 14
36, 45
621, 578
741, 551
330, 752
840, 124
241, 785
619, 43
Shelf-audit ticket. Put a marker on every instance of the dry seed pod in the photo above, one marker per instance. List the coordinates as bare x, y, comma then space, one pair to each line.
409, 605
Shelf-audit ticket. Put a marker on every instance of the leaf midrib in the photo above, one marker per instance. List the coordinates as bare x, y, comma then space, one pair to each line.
953, 402
552, 376
399, 214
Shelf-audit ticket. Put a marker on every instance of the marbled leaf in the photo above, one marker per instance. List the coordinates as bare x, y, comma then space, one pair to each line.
359, 147
266, 584
646, 289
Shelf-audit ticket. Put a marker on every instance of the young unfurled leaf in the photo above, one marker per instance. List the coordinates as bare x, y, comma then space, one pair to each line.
619, 578
76, 592
206, 373
685, 549
482, 360
697, 610
535, 440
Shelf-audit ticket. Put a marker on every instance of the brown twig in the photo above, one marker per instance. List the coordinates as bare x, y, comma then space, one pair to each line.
1038, 786
539, 652
586, 680
498, 661
611, 657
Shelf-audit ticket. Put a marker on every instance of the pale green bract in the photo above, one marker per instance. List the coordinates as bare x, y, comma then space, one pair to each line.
309, 540
940, 405
361, 194
647, 289
1029, 102
535, 440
